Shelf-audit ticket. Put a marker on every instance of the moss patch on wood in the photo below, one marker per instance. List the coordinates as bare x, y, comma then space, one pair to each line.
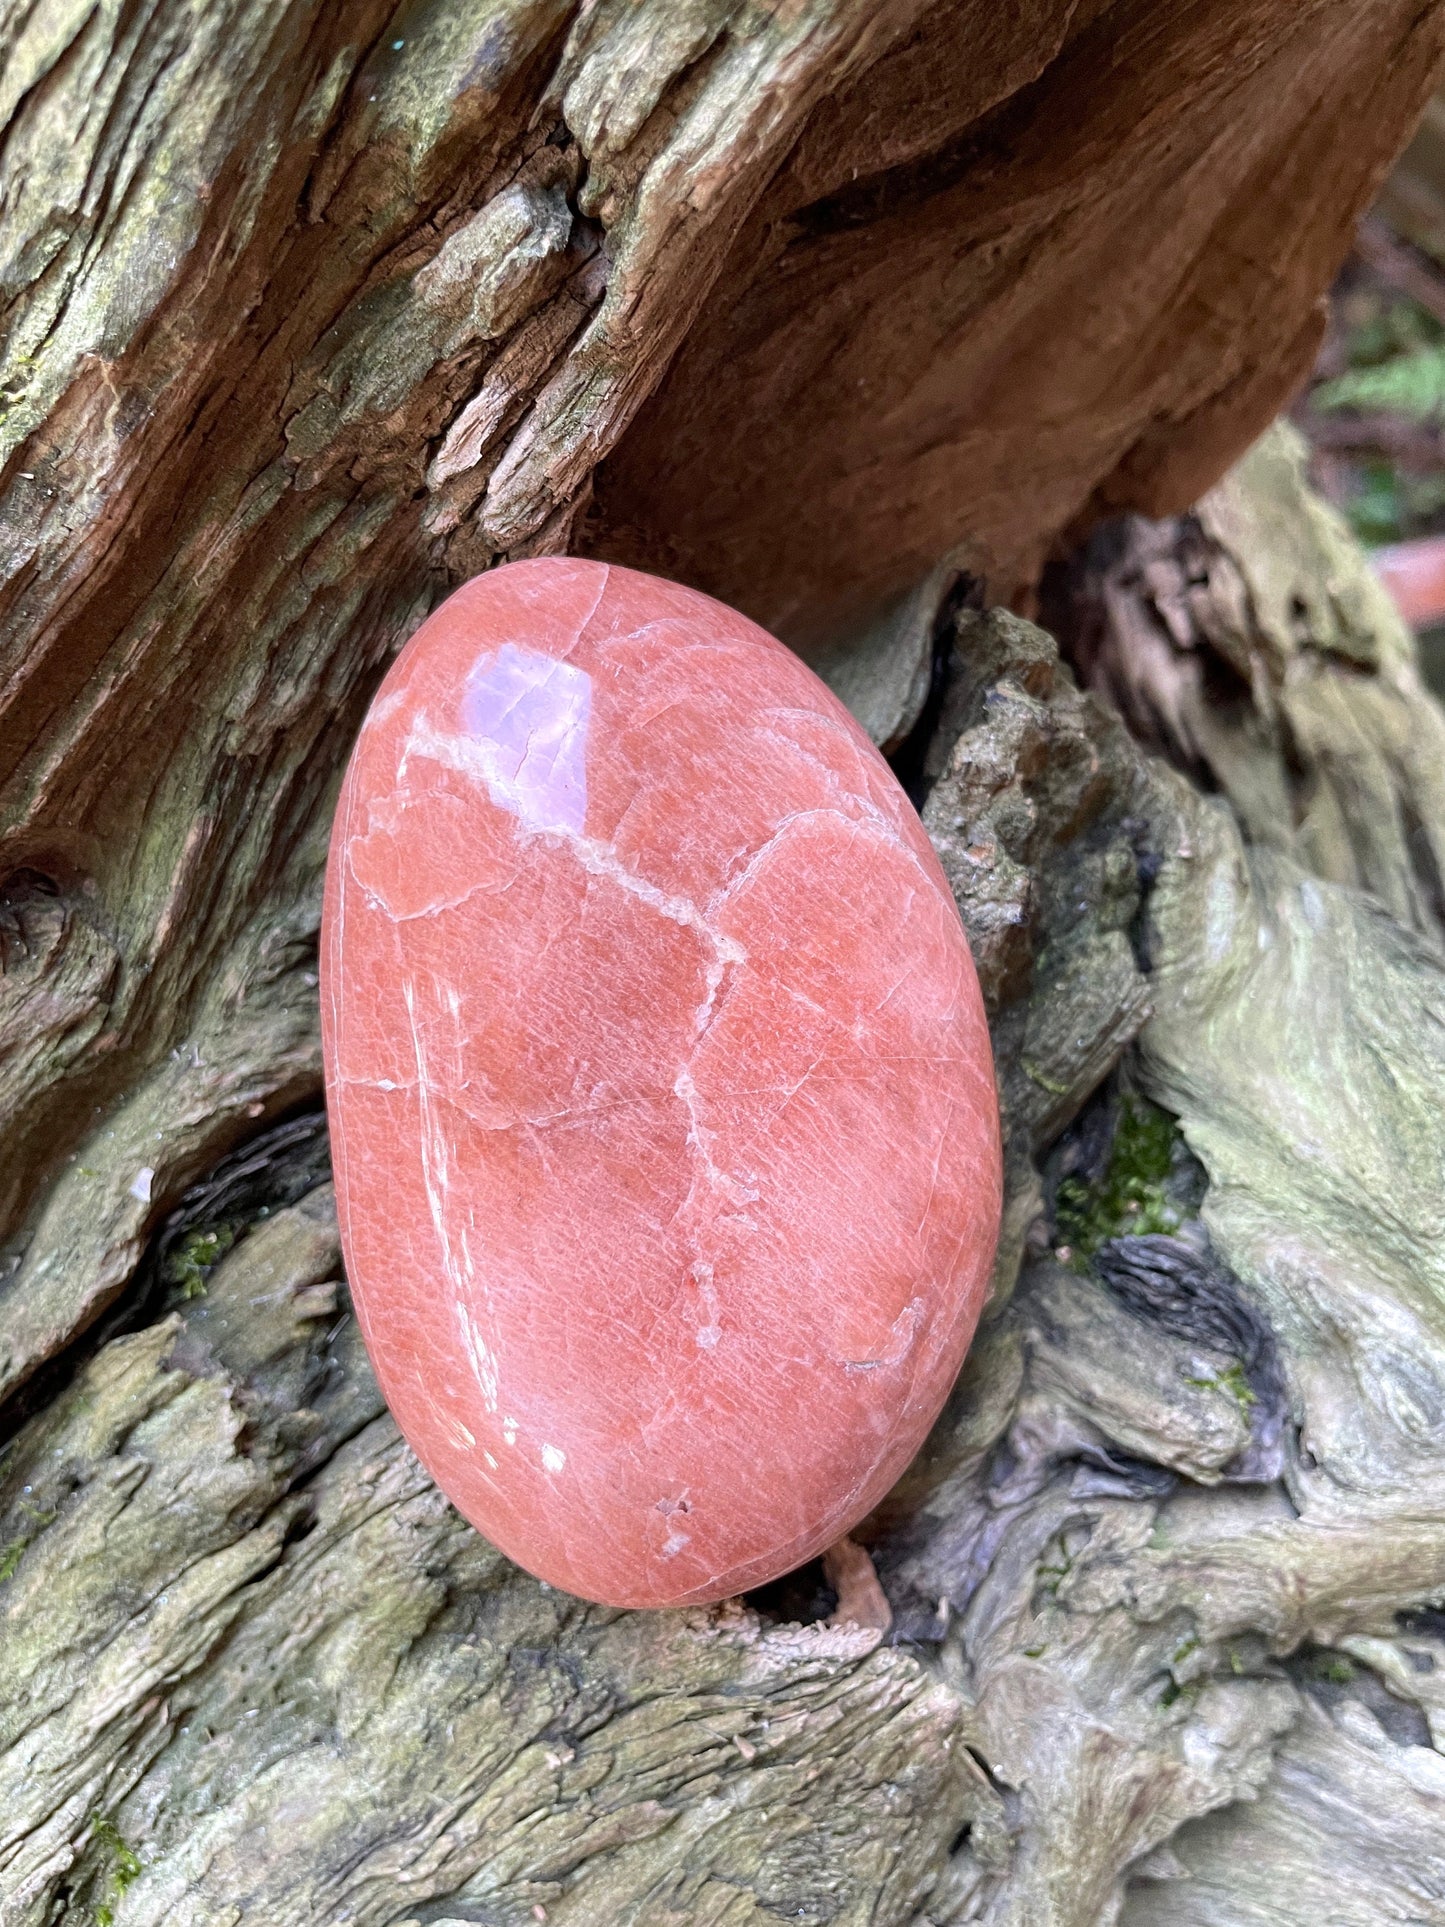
1131, 1197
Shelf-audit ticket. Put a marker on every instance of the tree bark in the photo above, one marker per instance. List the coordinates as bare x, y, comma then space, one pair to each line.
832, 308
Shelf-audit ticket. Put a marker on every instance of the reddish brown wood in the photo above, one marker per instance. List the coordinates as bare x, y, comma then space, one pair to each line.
1032, 265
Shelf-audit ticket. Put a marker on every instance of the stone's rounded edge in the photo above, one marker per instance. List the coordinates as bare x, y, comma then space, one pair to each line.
690, 603
329, 986
764, 1569
687, 604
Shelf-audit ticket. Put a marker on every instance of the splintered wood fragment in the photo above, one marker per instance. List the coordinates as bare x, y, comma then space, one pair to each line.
861, 1600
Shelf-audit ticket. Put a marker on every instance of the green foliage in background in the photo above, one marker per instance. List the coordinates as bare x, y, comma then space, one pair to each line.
1390, 503
1396, 368
1412, 385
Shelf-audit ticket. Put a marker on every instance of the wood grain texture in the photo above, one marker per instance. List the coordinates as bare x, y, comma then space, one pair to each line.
1082, 266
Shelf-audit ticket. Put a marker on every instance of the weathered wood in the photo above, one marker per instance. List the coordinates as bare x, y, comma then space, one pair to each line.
1245, 642
1038, 261
311, 310
256, 1669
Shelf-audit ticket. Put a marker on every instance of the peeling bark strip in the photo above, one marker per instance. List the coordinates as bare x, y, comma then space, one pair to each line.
312, 309
1286, 681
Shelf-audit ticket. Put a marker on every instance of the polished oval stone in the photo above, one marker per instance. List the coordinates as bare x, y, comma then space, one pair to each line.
661, 1095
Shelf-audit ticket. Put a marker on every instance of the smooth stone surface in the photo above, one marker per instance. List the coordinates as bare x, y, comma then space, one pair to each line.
662, 1101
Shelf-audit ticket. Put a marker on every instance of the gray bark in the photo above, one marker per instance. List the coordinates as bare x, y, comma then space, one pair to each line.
313, 310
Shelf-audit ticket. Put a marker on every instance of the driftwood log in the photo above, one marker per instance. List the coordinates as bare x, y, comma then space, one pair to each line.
855, 312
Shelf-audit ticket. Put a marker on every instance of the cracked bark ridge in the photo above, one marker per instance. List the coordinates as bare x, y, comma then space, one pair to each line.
1025, 266
1277, 673
1038, 810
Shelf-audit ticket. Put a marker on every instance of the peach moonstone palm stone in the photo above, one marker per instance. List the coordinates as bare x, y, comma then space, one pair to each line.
662, 1101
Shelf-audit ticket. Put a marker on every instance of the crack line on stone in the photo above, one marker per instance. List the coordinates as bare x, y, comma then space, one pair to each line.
477, 759
596, 857
436, 1178
722, 896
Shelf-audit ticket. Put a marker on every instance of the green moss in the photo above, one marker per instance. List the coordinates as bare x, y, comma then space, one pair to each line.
14, 1551
1174, 1692
1336, 1668
1238, 1386
1233, 1382
1130, 1198
122, 1864
1055, 1567
1043, 1080
192, 1259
